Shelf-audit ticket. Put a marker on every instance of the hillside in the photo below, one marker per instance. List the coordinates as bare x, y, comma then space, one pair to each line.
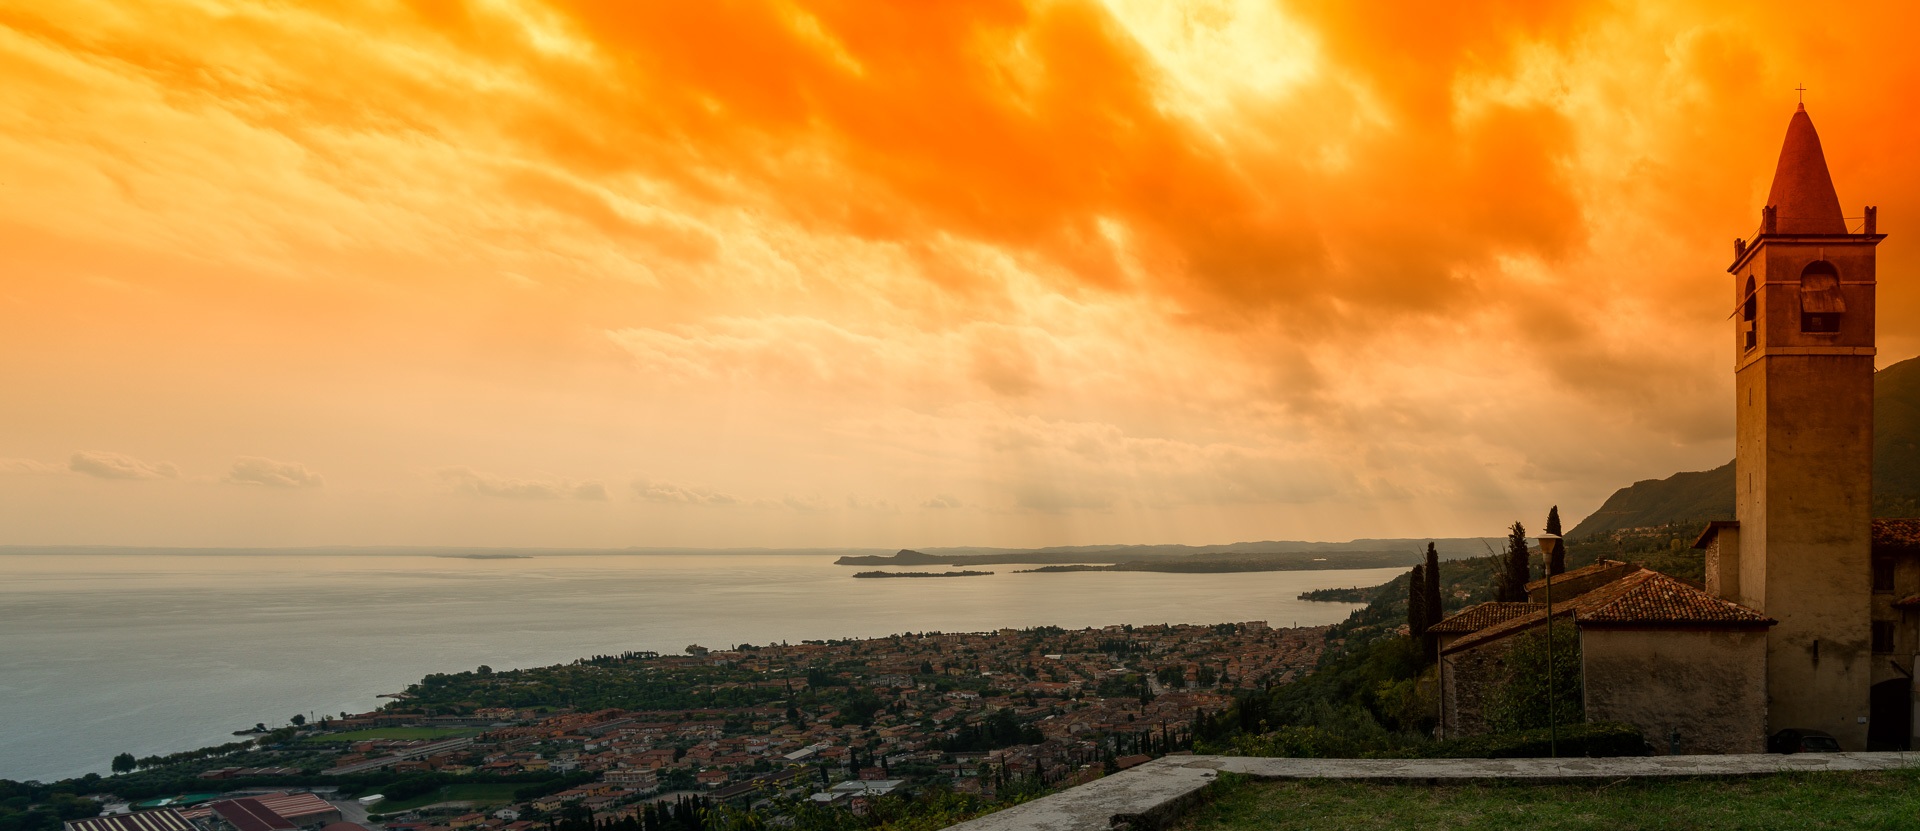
1700, 496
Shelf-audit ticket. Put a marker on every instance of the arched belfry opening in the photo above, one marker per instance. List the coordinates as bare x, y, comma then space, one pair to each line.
1748, 311
1821, 304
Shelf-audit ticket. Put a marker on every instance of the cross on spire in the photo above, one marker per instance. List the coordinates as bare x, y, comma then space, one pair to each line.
1802, 89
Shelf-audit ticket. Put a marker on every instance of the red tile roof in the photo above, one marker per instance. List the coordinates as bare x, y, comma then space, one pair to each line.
1649, 598
1892, 536
1645, 599
1475, 618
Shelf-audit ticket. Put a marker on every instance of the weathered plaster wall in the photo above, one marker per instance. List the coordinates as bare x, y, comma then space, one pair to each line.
1723, 564
1803, 482
1708, 684
1468, 679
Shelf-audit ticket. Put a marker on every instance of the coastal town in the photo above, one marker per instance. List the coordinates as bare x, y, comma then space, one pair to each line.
817, 725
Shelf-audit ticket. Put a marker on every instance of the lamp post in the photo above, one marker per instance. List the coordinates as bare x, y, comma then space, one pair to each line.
1549, 544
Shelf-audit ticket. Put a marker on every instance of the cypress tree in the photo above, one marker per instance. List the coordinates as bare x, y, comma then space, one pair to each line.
1416, 602
1557, 562
1436, 607
1515, 574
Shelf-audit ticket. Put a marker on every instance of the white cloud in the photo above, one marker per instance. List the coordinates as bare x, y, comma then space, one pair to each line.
108, 465
671, 494
253, 470
479, 483
28, 466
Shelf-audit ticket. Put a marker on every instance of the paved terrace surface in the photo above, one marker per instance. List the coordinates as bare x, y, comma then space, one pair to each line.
1154, 794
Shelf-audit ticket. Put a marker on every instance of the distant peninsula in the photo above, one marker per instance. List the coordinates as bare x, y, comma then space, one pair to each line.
1354, 594
923, 574
483, 556
1056, 563
1173, 559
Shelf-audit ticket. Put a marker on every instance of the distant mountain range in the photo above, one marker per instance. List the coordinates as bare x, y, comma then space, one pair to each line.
1701, 496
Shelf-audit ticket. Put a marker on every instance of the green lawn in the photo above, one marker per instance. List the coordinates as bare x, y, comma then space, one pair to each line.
481, 795
1889, 799
397, 733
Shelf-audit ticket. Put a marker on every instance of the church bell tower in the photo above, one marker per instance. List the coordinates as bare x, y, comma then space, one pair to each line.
1803, 292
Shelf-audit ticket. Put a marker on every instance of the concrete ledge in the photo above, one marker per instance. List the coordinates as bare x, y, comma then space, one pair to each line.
1154, 794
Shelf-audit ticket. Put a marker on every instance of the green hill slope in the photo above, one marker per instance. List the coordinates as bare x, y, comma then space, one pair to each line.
1700, 496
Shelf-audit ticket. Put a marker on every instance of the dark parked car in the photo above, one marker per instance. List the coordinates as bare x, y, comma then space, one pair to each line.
1795, 740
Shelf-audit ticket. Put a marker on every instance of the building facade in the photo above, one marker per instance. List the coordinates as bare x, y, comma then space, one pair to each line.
1803, 348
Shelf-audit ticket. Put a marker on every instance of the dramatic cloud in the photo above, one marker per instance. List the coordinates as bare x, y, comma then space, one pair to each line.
253, 470
467, 480
107, 465
1189, 270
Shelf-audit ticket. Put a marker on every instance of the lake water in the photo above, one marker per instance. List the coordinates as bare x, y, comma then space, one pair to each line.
154, 653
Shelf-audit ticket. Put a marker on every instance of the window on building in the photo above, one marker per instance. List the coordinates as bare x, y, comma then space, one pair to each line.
1883, 575
1882, 636
1821, 304
1747, 313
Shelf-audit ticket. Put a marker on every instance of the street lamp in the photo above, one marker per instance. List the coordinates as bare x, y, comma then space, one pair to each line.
1549, 546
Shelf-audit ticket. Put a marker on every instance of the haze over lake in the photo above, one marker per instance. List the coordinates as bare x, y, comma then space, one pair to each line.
159, 651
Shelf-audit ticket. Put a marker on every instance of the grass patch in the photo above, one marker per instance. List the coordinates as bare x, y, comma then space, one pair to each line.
481, 795
395, 733
1878, 799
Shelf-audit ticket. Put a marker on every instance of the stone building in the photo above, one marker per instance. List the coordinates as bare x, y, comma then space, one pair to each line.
1686, 667
1810, 615
1803, 347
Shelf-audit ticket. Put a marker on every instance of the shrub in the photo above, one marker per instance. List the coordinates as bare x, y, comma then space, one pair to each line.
1586, 739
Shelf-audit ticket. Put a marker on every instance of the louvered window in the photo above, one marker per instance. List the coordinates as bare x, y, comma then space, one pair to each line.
1821, 304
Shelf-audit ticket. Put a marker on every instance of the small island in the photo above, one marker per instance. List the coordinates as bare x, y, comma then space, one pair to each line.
1356, 594
923, 574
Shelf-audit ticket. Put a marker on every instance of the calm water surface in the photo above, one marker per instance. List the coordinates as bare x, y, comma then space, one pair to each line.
155, 653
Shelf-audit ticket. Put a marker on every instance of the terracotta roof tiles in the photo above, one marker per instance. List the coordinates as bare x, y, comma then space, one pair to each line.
1642, 599
1896, 536
1651, 598
1475, 618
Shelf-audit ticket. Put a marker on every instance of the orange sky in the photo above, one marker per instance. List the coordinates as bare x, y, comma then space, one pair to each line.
506, 272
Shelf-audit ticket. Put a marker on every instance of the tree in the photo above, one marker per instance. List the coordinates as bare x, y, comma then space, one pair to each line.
1417, 602
123, 763
1515, 572
298, 719
1436, 606
1530, 693
1557, 564
484, 670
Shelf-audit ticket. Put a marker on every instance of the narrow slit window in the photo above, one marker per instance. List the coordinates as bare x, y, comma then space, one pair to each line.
1882, 636
1883, 575
1821, 304
1748, 311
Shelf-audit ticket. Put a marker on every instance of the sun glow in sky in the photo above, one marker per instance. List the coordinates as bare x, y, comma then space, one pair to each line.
510, 272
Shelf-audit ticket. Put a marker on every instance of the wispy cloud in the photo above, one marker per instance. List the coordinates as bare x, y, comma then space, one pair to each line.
28, 466
254, 470
668, 493
479, 483
108, 465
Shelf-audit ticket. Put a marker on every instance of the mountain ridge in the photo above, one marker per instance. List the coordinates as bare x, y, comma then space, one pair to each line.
1706, 495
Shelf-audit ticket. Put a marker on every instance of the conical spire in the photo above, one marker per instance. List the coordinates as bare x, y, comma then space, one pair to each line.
1802, 190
